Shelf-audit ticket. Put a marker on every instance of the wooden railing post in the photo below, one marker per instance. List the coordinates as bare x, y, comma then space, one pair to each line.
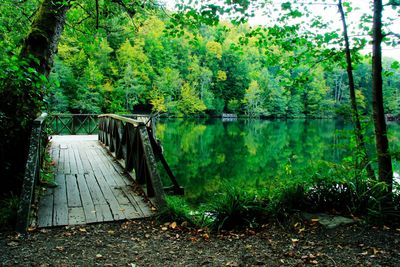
131, 141
32, 172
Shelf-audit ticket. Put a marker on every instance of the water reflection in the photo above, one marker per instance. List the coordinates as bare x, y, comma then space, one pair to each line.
204, 154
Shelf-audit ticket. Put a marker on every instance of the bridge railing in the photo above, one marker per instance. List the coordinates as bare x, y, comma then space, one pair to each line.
71, 124
133, 141
37, 147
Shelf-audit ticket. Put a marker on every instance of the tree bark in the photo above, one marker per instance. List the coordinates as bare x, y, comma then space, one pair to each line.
20, 102
361, 148
382, 143
43, 39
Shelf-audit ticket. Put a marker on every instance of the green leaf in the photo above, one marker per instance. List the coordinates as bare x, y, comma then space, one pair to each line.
395, 65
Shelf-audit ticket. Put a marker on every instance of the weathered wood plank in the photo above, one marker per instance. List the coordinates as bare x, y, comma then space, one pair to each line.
78, 159
76, 215
71, 159
45, 213
141, 208
87, 202
84, 158
102, 209
109, 168
73, 196
60, 216
103, 213
91, 186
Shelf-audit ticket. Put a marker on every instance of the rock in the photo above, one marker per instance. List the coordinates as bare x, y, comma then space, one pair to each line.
328, 221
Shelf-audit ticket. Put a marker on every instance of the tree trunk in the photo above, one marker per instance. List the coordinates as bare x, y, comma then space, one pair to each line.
382, 143
20, 102
361, 148
42, 41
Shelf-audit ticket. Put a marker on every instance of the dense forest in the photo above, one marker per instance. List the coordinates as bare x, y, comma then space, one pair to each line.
135, 66
126, 65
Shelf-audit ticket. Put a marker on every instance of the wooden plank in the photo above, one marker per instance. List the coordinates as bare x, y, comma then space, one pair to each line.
116, 209
84, 158
102, 209
73, 196
60, 201
87, 202
64, 153
71, 158
103, 213
76, 215
138, 210
140, 205
45, 212
78, 159
60, 166
109, 167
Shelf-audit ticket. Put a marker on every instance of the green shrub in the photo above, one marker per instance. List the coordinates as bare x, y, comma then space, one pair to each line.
8, 211
235, 207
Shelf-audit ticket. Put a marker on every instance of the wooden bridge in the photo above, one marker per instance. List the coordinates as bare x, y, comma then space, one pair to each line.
106, 177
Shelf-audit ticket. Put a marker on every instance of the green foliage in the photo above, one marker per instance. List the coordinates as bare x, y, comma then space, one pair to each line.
235, 207
177, 210
8, 211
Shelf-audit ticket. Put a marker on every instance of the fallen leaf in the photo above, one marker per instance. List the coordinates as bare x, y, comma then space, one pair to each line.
386, 228
99, 256
172, 225
164, 228
364, 253
206, 236
60, 248
314, 262
153, 209
232, 264
294, 240
111, 232
12, 244
82, 230
314, 220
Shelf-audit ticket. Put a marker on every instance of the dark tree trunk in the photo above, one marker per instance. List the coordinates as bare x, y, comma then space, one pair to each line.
20, 102
382, 143
361, 148
42, 41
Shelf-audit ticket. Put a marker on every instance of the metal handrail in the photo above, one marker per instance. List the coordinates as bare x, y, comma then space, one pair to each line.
37, 146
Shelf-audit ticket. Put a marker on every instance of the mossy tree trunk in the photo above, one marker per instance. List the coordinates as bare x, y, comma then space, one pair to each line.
22, 96
382, 142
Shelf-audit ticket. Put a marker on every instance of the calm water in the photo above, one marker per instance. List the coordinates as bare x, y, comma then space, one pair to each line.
204, 154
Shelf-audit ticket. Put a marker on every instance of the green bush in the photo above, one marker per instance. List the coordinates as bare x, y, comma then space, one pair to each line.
8, 211
236, 208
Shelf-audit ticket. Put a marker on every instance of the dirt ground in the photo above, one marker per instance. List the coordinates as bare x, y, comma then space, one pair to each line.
147, 243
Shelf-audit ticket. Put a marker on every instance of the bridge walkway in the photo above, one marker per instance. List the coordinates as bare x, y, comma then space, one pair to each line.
91, 186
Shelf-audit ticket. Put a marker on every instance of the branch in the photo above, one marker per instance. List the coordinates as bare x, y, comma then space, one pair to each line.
392, 34
131, 12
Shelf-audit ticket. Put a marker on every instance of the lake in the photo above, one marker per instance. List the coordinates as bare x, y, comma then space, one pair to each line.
204, 154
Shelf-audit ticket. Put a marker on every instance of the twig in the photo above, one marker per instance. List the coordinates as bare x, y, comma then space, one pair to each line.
329, 257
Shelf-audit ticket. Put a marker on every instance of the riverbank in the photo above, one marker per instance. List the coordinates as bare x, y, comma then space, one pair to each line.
147, 243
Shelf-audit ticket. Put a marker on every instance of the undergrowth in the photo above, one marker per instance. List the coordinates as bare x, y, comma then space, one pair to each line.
8, 211
322, 187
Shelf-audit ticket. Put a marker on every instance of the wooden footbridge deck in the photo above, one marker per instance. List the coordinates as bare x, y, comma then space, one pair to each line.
91, 186
106, 177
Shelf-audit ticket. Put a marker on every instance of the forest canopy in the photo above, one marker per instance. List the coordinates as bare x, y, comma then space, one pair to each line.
145, 64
